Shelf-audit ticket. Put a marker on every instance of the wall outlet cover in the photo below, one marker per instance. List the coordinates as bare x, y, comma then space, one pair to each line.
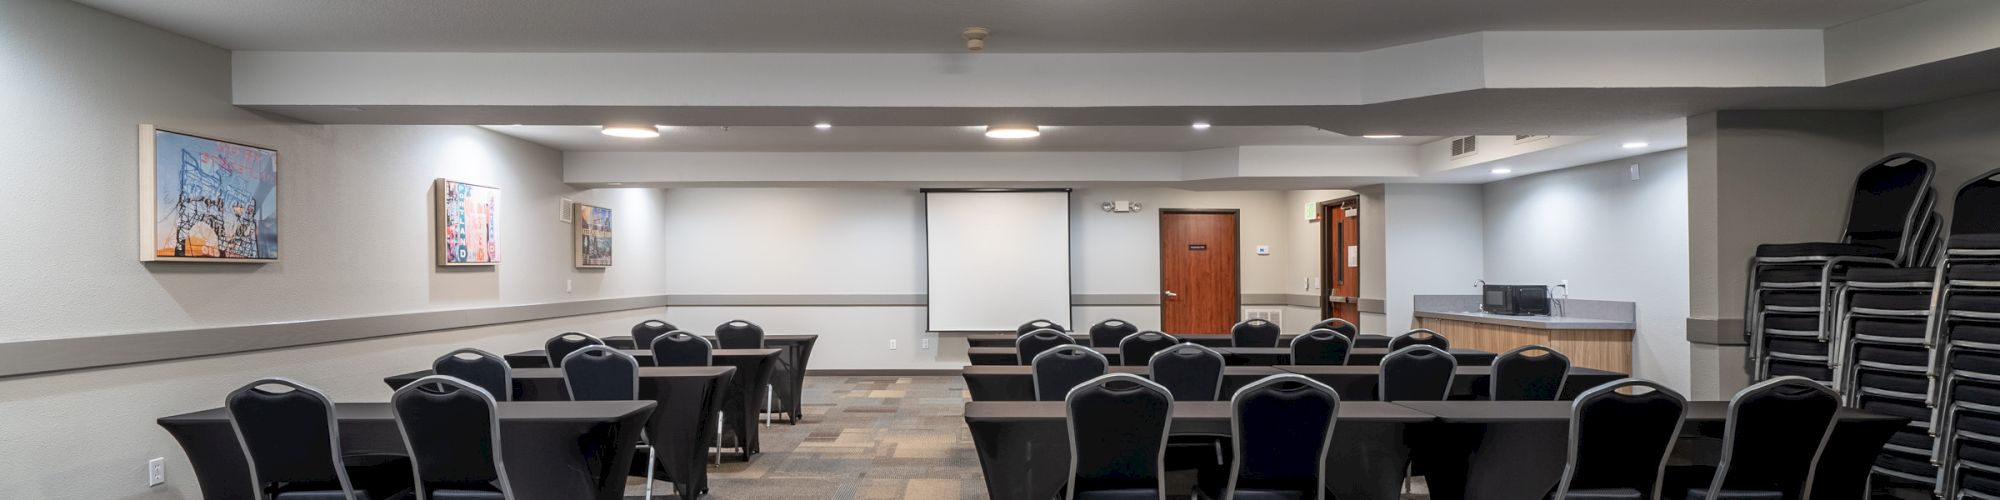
156, 472
892, 344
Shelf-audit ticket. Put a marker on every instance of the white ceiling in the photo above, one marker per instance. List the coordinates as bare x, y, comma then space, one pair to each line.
912, 139
933, 25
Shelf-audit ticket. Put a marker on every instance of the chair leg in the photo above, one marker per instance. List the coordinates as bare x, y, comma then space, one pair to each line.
718, 439
767, 405
651, 457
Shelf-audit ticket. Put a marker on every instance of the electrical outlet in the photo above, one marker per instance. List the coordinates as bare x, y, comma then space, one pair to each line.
892, 344
569, 286
923, 343
156, 472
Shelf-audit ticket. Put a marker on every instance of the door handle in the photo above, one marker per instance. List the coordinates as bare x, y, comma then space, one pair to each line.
1170, 294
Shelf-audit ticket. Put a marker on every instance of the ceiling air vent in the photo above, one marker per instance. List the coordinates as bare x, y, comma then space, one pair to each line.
1464, 146
1523, 139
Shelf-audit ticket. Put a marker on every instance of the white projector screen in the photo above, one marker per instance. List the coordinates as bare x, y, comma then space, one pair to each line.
996, 258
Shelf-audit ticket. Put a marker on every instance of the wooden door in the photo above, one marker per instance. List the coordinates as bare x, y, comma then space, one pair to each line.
1198, 271
1340, 259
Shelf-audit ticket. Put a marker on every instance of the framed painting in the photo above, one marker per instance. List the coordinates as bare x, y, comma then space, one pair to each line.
593, 236
203, 199
468, 222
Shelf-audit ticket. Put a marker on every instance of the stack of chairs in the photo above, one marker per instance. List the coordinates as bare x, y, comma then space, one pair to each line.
1790, 314
1966, 317
1884, 363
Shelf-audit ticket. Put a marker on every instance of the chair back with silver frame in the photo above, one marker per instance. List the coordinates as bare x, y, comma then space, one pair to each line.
1027, 346
1521, 375
1321, 347
1118, 438
559, 346
1137, 348
1338, 325
646, 331
1056, 371
1417, 373
1109, 332
289, 439
600, 373
1619, 443
1420, 336
487, 370
1773, 439
1283, 426
1039, 324
680, 348
451, 429
1255, 333
1190, 372
739, 334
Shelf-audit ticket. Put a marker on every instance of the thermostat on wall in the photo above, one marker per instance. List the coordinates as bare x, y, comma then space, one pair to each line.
1263, 249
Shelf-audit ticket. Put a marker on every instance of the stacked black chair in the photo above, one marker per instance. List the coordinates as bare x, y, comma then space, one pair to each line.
1040, 324
1417, 373
487, 370
644, 332
1322, 346
560, 346
739, 334
452, 431
291, 443
678, 348
1283, 426
1255, 333
1338, 325
1419, 336
600, 373
1966, 320
1135, 349
1109, 332
1619, 443
1775, 431
1056, 371
1117, 436
1032, 343
1883, 364
1191, 372
1523, 375
1790, 301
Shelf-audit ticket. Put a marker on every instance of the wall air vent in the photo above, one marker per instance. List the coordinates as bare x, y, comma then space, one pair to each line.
1271, 315
1464, 146
1523, 139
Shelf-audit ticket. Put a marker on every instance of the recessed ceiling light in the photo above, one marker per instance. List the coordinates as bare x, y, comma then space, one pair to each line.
1200, 125
1635, 144
630, 132
1013, 131
822, 125
1503, 170
1382, 136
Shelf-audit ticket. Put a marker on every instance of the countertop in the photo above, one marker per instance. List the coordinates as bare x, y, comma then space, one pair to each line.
1580, 314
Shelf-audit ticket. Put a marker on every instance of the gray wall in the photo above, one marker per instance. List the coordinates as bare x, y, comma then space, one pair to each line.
1612, 237
1433, 235
1961, 135
357, 242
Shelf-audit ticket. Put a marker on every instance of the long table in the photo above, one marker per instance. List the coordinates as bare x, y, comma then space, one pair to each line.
1017, 383
552, 450
1504, 450
1024, 445
682, 425
1359, 382
1250, 356
790, 376
741, 405
1207, 339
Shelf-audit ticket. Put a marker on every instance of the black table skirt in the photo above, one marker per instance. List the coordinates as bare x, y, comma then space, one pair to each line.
790, 376
1016, 383
1252, 356
682, 426
741, 405
1206, 339
553, 451
1024, 446
1359, 383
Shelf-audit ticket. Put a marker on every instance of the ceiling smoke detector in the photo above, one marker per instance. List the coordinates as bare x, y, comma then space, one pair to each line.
975, 38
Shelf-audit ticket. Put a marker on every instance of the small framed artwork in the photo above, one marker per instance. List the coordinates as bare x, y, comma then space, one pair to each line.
203, 199
468, 222
593, 236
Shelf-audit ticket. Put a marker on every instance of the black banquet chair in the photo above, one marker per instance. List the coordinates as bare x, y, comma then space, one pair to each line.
1136, 349
644, 332
678, 348
559, 346
1255, 333
1619, 443
1419, 336
739, 334
1027, 346
291, 443
1417, 373
600, 373
1109, 332
1040, 324
1190, 372
1338, 325
1056, 371
1117, 436
1529, 373
1770, 445
1321, 347
1283, 426
487, 370
452, 431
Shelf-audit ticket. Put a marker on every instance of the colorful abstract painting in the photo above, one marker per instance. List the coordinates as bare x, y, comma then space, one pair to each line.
593, 236
468, 224
206, 199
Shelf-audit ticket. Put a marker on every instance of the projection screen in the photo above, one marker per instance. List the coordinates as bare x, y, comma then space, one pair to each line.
996, 258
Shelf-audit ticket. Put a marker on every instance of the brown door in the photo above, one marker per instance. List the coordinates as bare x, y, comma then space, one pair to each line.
1340, 224
1198, 269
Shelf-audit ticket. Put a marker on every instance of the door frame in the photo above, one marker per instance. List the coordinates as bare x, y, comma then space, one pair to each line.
1326, 268
1236, 227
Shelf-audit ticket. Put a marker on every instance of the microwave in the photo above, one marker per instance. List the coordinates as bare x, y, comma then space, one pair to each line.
1515, 300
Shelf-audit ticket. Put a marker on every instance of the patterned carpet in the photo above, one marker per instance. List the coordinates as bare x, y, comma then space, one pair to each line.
862, 438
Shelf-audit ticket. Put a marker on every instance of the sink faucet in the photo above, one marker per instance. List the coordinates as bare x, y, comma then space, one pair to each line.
1480, 284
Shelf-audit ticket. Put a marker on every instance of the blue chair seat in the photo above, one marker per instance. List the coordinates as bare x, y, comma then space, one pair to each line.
1822, 250
1702, 494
